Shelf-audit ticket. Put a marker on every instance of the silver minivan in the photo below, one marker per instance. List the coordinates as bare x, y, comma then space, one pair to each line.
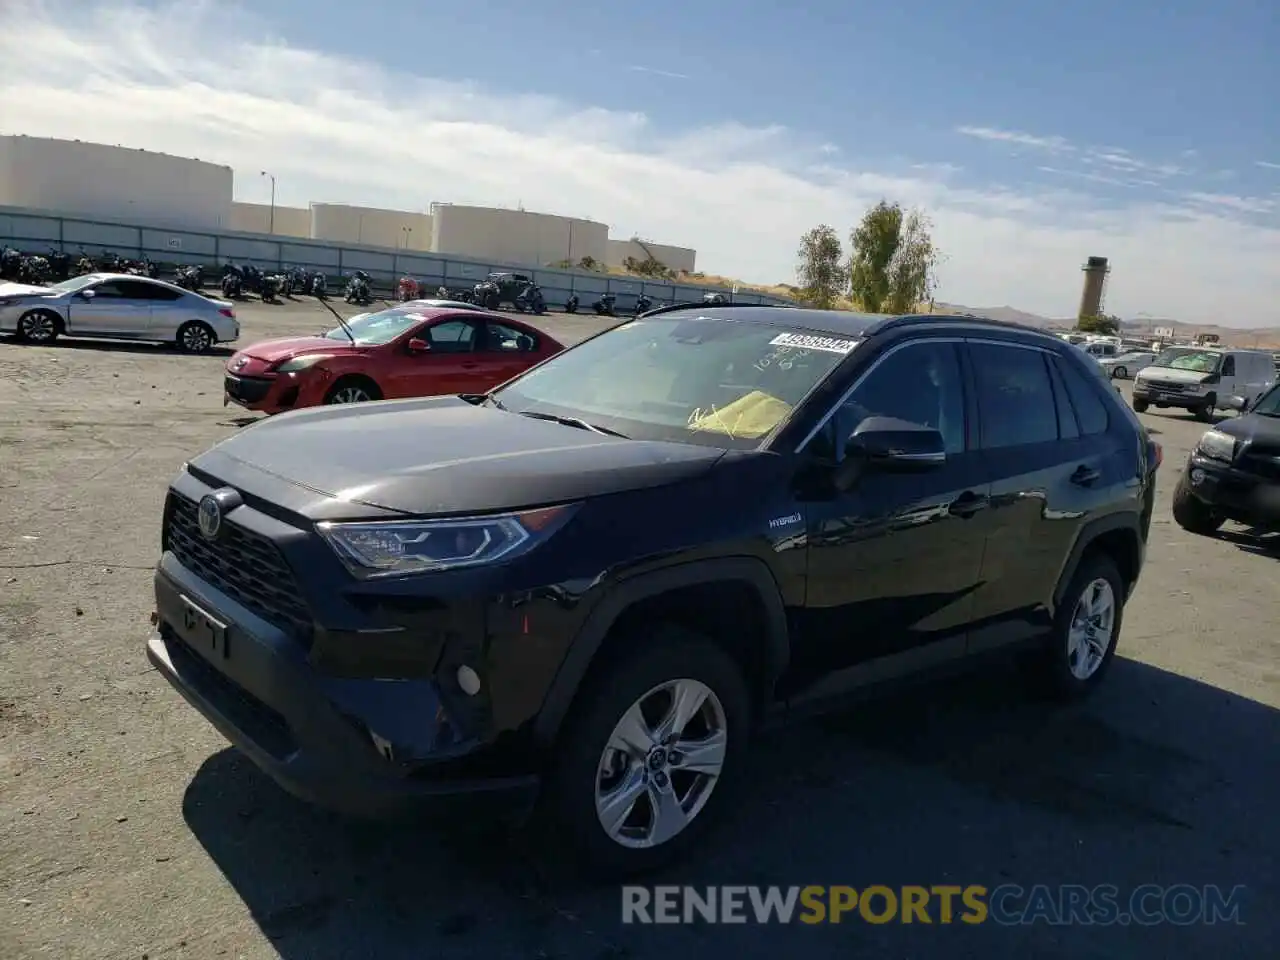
1201, 380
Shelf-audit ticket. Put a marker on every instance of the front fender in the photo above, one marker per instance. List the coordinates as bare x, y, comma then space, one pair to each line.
623, 594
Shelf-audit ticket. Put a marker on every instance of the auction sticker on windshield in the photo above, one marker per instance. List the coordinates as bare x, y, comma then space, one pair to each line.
811, 342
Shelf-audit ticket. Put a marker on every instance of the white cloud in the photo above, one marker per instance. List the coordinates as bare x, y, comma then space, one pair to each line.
340, 127
1055, 144
1267, 164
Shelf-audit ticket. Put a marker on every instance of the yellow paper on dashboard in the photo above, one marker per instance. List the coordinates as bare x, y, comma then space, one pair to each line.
752, 415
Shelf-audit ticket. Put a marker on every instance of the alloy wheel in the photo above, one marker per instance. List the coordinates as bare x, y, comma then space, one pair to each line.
661, 764
350, 395
1092, 627
196, 339
38, 327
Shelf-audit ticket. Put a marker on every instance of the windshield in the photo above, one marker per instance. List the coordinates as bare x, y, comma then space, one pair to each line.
714, 381
1188, 358
377, 328
1269, 405
75, 283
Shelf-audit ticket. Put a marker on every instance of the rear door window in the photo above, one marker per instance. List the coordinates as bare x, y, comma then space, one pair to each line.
1015, 396
1082, 390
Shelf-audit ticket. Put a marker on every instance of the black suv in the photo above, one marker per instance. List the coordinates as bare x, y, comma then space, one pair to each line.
500, 288
1234, 471
591, 584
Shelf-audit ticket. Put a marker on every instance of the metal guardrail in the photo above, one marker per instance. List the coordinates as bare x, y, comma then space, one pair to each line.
37, 231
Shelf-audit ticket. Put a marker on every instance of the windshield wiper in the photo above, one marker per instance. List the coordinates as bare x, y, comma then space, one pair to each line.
574, 422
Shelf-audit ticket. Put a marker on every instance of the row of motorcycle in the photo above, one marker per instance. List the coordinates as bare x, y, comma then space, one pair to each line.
55, 266
240, 280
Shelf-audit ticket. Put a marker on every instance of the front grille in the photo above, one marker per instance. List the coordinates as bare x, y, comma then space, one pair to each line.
246, 389
242, 564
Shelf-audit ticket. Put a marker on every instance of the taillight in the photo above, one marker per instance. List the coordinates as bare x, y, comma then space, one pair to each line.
227, 312
1157, 455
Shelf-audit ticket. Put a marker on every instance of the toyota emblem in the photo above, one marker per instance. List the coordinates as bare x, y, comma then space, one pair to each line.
209, 517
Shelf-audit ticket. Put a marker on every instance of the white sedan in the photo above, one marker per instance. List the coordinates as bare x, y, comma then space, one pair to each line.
1126, 365
118, 306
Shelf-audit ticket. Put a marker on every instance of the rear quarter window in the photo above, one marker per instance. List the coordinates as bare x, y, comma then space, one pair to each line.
1092, 411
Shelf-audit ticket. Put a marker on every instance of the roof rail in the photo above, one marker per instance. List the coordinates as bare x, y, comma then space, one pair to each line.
699, 305
894, 322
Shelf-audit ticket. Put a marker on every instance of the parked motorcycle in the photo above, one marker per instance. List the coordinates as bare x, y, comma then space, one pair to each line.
643, 304
358, 289
571, 305
232, 281
59, 265
10, 263
84, 265
407, 289
319, 286
531, 299
269, 287
189, 277
604, 306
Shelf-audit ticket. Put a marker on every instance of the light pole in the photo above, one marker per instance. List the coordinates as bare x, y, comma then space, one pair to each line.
271, 225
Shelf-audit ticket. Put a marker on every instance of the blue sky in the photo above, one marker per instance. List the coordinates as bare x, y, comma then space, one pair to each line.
1034, 135
883, 81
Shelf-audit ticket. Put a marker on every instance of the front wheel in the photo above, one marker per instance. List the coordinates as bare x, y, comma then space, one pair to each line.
352, 391
1206, 413
650, 756
1192, 514
1120, 373
39, 326
1140, 406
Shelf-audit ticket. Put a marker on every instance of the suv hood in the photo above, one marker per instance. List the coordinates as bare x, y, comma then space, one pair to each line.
1252, 428
437, 455
1171, 375
285, 347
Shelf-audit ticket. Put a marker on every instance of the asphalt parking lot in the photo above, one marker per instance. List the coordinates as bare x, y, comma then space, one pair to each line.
128, 827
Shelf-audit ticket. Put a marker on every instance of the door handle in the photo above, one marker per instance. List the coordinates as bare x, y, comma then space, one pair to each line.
967, 504
1085, 476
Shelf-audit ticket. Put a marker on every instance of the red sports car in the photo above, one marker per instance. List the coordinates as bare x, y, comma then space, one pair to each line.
402, 352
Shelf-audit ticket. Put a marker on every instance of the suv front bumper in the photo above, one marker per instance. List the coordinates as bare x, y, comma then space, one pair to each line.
327, 740
1232, 493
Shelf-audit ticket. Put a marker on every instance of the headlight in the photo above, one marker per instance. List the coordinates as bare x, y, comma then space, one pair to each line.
398, 547
1217, 445
302, 363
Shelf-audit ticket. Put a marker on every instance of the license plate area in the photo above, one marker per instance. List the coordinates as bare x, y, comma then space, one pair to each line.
203, 631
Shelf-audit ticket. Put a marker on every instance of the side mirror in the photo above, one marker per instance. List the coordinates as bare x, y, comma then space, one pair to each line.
418, 345
1238, 404
890, 445
87, 294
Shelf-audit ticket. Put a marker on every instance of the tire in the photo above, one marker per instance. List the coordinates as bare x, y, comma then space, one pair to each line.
1192, 514
1140, 406
353, 390
667, 657
1120, 373
1071, 665
195, 336
1205, 414
39, 326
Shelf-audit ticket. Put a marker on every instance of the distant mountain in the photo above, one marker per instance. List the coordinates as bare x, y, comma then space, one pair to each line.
1006, 314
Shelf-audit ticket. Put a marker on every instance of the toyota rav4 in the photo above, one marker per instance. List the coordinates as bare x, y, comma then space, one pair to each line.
583, 591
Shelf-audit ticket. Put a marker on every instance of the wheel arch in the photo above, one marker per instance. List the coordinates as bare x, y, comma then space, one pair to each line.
1119, 536
695, 594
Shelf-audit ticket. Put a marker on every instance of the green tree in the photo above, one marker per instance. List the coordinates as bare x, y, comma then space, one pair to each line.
893, 260
1103, 324
819, 272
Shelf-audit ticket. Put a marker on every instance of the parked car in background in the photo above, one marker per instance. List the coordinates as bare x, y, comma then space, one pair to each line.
117, 306
401, 352
1199, 379
1234, 471
1126, 365
593, 584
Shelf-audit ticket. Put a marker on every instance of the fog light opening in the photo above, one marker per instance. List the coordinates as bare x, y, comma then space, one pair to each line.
1197, 477
468, 681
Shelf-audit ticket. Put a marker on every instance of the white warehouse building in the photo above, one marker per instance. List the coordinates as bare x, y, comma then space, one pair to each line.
97, 180
516, 237
146, 189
